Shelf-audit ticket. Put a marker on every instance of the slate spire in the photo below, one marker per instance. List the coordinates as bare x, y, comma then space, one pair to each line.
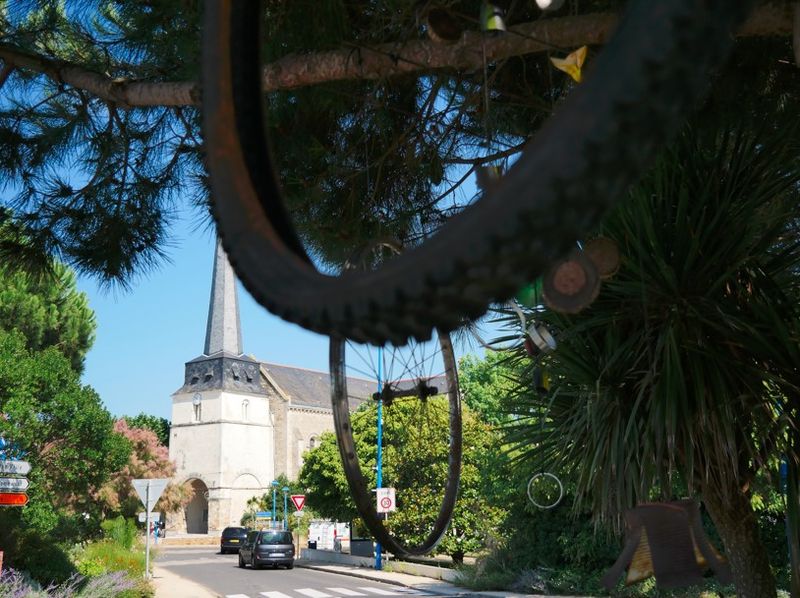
224, 331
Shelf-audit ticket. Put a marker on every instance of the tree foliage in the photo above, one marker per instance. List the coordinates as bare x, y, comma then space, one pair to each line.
160, 426
323, 478
487, 383
48, 310
414, 462
682, 374
63, 430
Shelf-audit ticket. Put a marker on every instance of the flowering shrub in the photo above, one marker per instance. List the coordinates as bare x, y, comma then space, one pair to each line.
149, 459
14, 584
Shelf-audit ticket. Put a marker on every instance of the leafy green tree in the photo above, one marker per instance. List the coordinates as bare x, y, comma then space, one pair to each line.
157, 425
323, 478
486, 383
63, 430
48, 310
682, 374
414, 462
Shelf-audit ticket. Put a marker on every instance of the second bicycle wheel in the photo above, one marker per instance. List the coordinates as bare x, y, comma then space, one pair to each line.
421, 408
637, 93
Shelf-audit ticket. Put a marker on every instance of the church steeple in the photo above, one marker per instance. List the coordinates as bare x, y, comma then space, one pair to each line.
224, 331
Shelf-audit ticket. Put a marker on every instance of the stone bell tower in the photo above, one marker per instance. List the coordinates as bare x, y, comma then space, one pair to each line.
222, 436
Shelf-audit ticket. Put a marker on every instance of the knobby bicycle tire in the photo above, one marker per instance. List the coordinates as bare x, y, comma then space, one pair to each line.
638, 91
362, 496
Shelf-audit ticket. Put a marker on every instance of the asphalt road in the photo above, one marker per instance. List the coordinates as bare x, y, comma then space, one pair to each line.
221, 574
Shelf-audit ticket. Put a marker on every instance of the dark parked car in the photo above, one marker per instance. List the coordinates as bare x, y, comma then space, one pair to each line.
232, 539
267, 548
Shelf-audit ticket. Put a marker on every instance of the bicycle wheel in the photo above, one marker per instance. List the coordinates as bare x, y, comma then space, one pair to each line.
420, 382
636, 94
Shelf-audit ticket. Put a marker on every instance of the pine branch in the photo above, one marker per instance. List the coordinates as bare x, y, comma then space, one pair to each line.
5, 73
385, 60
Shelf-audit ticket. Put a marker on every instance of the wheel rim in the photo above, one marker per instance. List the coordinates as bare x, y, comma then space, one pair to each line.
362, 496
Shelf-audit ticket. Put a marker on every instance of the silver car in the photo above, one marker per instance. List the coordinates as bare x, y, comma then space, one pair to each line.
267, 548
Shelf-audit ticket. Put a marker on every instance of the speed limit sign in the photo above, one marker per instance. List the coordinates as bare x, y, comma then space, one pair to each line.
386, 503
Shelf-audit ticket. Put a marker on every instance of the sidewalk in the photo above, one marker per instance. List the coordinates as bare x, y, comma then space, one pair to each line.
170, 585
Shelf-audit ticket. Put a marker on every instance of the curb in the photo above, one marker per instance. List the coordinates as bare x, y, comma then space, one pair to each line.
435, 586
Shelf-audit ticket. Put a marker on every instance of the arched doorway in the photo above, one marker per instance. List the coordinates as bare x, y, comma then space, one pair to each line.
197, 509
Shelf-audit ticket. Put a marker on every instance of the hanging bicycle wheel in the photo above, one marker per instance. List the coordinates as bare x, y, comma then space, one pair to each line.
637, 93
421, 409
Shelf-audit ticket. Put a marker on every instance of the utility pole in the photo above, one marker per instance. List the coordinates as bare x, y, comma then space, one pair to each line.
379, 460
274, 510
147, 532
285, 507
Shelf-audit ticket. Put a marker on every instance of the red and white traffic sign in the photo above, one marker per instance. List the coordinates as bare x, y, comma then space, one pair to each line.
386, 502
299, 501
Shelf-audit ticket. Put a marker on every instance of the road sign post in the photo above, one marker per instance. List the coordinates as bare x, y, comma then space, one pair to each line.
149, 491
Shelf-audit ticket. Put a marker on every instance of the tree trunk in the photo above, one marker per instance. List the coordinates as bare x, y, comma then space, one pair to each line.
737, 526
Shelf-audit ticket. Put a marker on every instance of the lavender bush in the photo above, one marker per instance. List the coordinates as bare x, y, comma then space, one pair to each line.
15, 584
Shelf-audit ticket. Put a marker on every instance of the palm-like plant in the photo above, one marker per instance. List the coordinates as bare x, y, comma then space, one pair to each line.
683, 372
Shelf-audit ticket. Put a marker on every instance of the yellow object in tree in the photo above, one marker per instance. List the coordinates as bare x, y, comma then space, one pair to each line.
572, 64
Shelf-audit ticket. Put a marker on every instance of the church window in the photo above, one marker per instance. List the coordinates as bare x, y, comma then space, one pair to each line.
197, 403
245, 404
312, 442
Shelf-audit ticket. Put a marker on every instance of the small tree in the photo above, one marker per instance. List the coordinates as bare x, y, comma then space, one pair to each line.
159, 425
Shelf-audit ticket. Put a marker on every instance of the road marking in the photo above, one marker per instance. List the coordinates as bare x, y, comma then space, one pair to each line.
380, 591
181, 563
275, 595
311, 593
345, 592
236, 596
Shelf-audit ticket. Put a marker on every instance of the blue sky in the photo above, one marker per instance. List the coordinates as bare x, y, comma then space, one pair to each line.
146, 334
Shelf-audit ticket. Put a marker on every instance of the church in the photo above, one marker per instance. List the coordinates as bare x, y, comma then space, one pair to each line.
237, 422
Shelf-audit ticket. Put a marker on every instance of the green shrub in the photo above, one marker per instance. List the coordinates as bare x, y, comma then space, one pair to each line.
119, 530
42, 558
108, 556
